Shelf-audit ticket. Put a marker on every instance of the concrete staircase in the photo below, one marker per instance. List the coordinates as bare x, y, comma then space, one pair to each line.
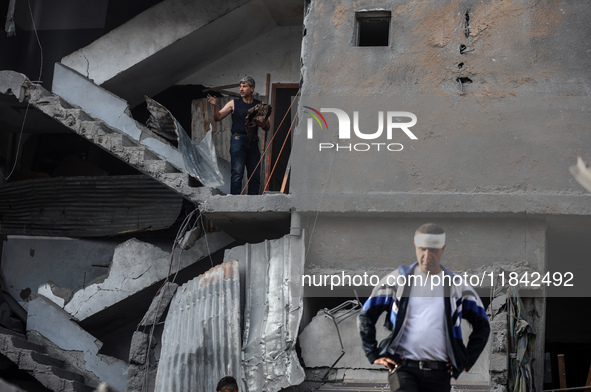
129, 141
33, 358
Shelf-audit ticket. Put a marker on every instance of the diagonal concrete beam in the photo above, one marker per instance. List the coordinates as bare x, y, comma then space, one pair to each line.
167, 43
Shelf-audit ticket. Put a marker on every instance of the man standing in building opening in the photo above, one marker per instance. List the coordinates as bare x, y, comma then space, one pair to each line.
243, 150
424, 309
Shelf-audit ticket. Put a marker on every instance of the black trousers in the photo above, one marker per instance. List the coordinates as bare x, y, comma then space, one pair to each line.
412, 379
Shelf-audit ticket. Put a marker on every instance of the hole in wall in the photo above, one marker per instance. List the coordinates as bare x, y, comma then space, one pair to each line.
25, 293
462, 48
464, 80
373, 28
467, 24
461, 66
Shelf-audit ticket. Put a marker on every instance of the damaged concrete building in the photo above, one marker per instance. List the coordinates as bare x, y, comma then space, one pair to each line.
124, 260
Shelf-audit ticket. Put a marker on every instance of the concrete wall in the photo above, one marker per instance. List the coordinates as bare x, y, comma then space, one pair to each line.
167, 43
29, 262
276, 52
507, 138
497, 128
378, 245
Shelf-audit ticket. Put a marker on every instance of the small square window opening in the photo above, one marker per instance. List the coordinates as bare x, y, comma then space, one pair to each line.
373, 28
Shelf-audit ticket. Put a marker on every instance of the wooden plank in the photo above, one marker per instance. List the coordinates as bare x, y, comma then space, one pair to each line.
86, 206
285, 179
561, 371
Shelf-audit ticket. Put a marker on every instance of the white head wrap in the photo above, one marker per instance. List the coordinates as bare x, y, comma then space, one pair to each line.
436, 241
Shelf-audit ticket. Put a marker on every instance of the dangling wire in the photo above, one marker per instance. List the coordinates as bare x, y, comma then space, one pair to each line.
20, 136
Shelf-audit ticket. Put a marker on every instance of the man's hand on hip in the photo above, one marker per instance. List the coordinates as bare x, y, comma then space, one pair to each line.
387, 362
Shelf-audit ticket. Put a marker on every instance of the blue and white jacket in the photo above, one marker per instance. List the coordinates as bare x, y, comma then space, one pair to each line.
461, 302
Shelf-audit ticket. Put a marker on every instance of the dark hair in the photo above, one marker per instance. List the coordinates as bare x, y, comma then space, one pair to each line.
430, 228
227, 383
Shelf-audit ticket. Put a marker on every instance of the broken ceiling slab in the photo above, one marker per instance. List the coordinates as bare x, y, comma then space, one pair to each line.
136, 266
56, 325
29, 262
273, 292
201, 339
250, 218
14, 83
169, 33
86, 206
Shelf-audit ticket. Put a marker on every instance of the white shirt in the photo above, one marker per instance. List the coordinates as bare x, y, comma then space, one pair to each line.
423, 334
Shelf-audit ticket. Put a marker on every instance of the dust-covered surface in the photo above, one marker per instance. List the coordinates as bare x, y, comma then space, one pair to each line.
499, 89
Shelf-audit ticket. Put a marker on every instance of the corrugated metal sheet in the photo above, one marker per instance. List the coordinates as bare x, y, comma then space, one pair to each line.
201, 339
272, 272
202, 119
86, 206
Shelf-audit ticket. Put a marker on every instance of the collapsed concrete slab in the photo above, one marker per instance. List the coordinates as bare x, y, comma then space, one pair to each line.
136, 57
49, 320
136, 266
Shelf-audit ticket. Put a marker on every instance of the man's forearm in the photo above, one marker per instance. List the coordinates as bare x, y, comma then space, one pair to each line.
216, 113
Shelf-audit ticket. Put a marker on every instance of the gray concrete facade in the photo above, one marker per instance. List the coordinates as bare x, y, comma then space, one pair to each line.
498, 93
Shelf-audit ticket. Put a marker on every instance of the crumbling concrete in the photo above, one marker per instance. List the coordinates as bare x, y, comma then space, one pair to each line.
114, 111
159, 304
28, 262
137, 265
139, 348
320, 346
49, 320
169, 31
499, 357
146, 155
142, 357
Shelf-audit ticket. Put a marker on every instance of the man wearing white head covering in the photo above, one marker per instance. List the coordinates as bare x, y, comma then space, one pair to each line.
425, 307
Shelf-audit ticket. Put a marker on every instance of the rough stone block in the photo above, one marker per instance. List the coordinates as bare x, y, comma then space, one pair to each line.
137, 265
138, 348
159, 304
498, 362
135, 378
